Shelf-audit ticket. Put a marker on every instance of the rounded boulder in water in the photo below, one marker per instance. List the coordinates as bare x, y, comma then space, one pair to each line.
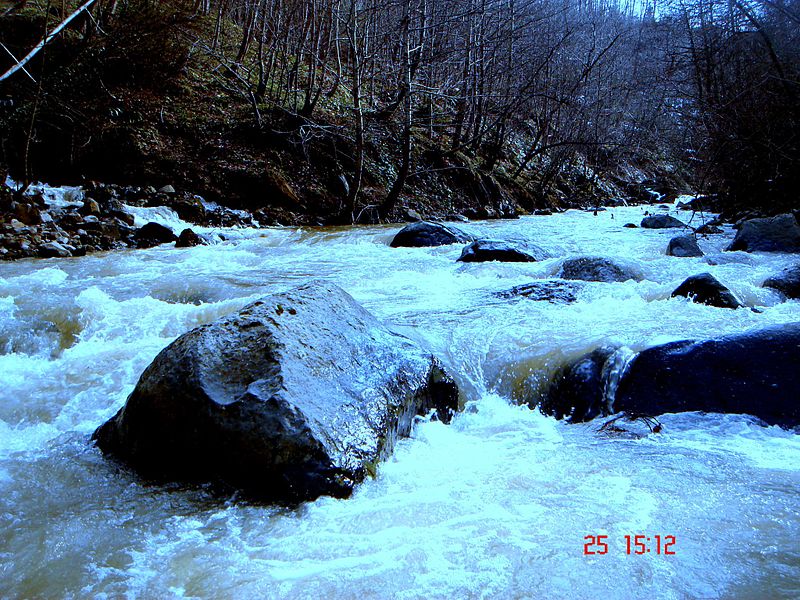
753, 373
188, 238
424, 234
707, 289
577, 390
684, 246
296, 396
153, 234
776, 234
787, 282
593, 268
661, 222
501, 251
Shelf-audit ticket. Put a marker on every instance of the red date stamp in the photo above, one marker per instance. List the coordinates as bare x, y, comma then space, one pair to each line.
634, 544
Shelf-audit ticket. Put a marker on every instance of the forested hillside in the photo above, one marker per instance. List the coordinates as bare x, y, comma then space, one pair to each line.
361, 111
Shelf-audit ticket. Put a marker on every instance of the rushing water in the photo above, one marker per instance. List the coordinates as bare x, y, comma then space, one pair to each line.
495, 505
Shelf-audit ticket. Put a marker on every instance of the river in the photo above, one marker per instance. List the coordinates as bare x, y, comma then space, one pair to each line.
495, 505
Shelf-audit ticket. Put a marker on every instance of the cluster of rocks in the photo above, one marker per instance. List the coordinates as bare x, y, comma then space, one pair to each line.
711, 375
32, 226
301, 394
29, 226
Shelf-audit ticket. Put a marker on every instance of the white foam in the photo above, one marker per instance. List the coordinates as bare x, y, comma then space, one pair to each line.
494, 505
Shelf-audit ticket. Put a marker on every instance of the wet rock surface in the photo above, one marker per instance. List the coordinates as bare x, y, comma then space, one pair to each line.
684, 246
297, 395
555, 292
423, 234
786, 282
188, 239
752, 373
707, 289
661, 222
502, 251
153, 234
594, 268
776, 234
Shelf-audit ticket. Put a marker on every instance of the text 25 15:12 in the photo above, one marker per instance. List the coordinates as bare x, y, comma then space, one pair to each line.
637, 544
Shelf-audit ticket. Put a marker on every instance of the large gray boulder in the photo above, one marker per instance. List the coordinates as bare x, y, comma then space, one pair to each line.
786, 282
424, 234
593, 268
776, 234
298, 395
501, 251
707, 289
661, 222
153, 234
684, 246
751, 373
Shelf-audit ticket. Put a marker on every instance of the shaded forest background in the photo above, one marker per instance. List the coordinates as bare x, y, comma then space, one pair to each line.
335, 111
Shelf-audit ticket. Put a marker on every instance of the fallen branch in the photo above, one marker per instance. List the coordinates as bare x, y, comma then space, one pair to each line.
20, 64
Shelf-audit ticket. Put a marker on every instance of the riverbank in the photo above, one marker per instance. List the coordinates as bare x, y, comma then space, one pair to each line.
45, 221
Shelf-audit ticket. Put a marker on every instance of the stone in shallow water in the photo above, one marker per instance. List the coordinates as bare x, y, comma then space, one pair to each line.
707, 289
298, 395
786, 282
153, 234
776, 234
188, 238
593, 268
684, 246
661, 222
555, 292
577, 389
501, 251
751, 373
423, 234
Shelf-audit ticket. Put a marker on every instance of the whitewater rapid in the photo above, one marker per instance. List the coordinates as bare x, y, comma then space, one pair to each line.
496, 505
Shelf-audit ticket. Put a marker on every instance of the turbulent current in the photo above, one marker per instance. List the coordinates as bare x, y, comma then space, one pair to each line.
495, 505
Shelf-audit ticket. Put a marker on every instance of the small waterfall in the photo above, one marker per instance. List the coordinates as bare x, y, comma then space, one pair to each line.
613, 371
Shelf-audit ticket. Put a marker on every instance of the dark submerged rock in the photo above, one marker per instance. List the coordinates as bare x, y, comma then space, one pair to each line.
661, 222
189, 208
786, 282
631, 226
753, 373
707, 289
556, 292
501, 251
776, 234
424, 234
684, 246
188, 239
153, 234
577, 390
591, 268
296, 396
